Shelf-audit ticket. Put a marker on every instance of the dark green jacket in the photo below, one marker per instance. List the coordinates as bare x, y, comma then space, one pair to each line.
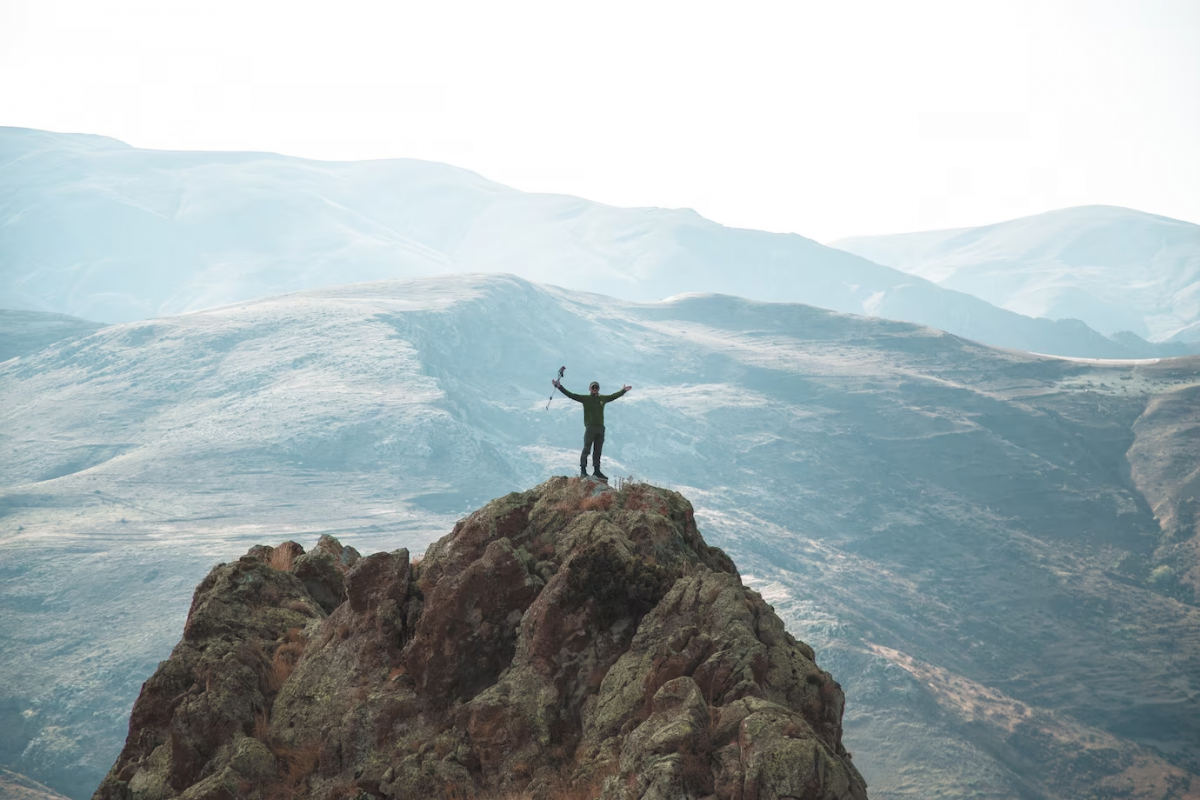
593, 407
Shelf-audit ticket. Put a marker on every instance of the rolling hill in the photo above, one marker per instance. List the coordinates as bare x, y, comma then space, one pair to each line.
24, 332
1116, 269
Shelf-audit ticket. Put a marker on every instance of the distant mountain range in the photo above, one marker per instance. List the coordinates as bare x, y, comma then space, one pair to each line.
94, 228
1114, 268
994, 552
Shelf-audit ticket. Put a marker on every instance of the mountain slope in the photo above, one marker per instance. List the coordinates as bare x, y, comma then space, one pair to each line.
99, 229
25, 332
17, 787
952, 526
1114, 268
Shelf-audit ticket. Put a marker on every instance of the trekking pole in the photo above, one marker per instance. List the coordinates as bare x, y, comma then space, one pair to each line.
561, 370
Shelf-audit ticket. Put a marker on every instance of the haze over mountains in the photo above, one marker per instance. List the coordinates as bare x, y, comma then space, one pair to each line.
100, 230
957, 529
1114, 268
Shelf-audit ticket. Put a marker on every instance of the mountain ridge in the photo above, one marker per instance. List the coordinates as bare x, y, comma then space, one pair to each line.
1118, 269
119, 234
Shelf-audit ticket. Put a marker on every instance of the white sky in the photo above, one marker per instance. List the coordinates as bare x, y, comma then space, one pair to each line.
824, 118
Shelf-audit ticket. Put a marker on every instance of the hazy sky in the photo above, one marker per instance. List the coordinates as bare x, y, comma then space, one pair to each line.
827, 119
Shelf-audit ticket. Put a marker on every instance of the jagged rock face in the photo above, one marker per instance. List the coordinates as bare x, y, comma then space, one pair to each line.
569, 641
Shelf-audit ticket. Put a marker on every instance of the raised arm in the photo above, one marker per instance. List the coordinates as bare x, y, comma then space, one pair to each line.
608, 398
578, 398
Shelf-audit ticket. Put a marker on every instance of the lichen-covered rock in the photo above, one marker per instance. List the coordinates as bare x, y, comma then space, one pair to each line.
321, 571
192, 725
571, 640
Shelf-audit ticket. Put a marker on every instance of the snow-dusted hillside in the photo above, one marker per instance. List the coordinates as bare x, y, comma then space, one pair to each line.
1114, 268
942, 520
95, 228
23, 332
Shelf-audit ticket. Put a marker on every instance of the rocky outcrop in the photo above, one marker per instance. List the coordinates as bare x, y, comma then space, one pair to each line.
568, 641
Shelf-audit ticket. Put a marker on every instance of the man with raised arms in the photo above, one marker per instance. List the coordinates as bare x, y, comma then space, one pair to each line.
593, 423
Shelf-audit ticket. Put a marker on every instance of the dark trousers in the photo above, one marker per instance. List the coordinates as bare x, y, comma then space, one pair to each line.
593, 442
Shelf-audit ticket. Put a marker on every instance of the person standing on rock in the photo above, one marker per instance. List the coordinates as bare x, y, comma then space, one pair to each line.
593, 423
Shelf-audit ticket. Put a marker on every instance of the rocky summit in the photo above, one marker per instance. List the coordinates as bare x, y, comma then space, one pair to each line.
570, 641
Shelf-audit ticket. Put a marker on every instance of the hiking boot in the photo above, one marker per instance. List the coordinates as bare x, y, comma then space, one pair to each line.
598, 474
583, 472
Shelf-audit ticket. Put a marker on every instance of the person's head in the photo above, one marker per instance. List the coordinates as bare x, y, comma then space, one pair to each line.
594, 387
